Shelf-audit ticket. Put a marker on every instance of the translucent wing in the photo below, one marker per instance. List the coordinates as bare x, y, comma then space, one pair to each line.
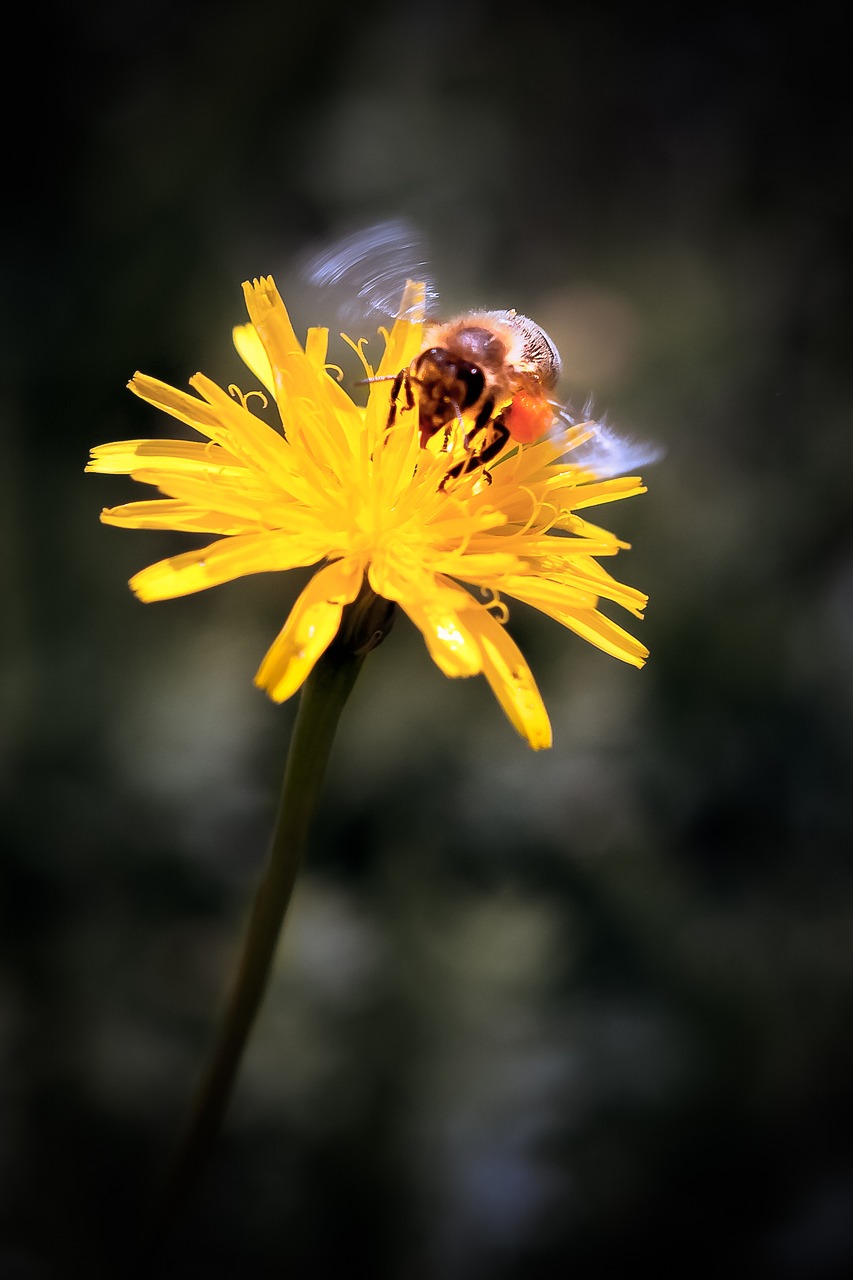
607, 453
367, 271
365, 274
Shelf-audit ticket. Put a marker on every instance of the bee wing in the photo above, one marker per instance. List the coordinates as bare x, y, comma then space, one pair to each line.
368, 270
605, 452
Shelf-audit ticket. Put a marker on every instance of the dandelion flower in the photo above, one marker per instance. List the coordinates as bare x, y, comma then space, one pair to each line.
337, 487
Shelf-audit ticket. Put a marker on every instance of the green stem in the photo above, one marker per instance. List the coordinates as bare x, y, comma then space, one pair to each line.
321, 702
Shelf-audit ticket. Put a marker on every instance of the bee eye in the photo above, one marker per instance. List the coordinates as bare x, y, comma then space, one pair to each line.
459, 381
474, 381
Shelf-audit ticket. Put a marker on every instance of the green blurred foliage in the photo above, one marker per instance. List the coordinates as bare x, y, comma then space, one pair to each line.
535, 1014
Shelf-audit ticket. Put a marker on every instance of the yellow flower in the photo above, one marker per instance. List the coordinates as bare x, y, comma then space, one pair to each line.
339, 488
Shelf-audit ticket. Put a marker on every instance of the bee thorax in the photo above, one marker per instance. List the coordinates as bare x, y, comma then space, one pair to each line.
481, 346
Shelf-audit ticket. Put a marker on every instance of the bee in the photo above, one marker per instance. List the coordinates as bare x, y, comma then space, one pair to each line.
491, 373
494, 370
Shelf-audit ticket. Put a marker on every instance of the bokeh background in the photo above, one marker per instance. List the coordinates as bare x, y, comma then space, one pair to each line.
535, 1015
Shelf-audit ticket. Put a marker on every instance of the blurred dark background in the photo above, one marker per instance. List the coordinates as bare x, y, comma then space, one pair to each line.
535, 1015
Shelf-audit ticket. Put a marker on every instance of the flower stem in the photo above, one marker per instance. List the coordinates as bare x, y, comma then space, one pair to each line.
321, 703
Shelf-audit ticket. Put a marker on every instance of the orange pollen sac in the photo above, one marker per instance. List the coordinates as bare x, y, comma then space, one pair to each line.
528, 417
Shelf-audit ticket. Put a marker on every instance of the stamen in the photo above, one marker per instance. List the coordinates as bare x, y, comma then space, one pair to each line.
358, 348
495, 605
536, 513
243, 397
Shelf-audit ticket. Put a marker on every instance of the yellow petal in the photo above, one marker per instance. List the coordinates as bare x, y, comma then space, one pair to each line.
451, 645
583, 618
310, 629
317, 350
248, 437
591, 493
404, 340
186, 408
251, 351
402, 345
604, 634
125, 457
317, 347
294, 376
588, 572
169, 513
511, 679
545, 594
223, 561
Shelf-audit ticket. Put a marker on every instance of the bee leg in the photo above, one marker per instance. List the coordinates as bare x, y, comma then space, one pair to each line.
499, 433
429, 427
482, 420
401, 380
402, 384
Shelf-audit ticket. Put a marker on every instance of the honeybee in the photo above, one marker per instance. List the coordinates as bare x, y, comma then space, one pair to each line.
492, 373
492, 369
